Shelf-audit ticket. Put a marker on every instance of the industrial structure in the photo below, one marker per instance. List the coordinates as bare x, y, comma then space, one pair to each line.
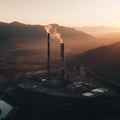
86, 93
62, 62
48, 52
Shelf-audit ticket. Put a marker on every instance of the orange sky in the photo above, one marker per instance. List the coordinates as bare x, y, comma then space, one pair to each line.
64, 12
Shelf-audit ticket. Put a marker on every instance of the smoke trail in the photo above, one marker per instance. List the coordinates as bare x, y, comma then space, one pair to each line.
54, 33
48, 28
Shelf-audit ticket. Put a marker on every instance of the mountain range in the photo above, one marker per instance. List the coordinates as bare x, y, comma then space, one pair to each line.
104, 60
18, 35
98, 30
83, 48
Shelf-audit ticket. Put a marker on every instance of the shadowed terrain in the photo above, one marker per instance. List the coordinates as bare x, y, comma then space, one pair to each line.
103, 60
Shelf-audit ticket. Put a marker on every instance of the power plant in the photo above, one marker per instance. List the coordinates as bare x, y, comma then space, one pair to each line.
62, 61
73, 88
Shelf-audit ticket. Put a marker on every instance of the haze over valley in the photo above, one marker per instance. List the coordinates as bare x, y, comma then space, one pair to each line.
23, 49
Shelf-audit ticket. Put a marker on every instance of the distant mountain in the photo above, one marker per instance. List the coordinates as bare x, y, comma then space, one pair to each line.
98, 30
103, 60
17, 35
107, 35
110, 36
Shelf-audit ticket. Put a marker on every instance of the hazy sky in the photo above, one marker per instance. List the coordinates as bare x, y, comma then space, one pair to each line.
64, 12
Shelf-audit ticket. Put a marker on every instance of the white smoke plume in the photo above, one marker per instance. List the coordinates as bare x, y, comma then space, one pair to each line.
54, 33
48, 28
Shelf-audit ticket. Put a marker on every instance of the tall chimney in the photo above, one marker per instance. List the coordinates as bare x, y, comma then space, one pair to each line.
62, 61
48, 53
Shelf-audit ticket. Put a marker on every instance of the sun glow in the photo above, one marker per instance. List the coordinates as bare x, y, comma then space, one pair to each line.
64, 12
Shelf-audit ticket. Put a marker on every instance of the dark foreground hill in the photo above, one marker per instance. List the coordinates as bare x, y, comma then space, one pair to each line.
104, 60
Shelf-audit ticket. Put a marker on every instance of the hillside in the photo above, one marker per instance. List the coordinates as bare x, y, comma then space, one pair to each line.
103, 60
18, 35
107, 35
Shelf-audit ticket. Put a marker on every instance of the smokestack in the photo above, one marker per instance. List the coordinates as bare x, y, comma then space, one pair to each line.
48, 62
62, 61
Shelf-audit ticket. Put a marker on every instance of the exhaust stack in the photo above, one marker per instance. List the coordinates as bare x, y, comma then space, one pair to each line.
48, 61
62, 61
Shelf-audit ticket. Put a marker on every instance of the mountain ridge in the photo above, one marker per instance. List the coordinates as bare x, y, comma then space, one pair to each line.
16, 34
104, 60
